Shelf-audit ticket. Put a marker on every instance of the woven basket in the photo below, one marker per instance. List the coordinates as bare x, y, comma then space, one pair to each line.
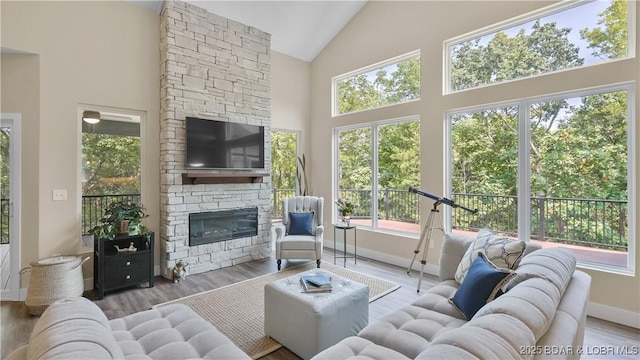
52, 279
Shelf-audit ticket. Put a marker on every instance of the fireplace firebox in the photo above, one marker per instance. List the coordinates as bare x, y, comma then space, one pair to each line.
215, 226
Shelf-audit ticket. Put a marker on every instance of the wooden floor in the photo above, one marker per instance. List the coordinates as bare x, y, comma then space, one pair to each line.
601, 337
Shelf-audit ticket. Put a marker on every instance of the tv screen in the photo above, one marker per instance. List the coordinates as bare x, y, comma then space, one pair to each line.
213, 144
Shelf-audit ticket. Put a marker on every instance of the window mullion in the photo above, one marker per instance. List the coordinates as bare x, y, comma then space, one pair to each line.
524, 171
374, 176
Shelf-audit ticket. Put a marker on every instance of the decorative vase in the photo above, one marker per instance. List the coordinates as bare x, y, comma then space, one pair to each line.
346, 219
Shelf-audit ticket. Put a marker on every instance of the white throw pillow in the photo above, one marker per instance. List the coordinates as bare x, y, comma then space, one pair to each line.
501, 251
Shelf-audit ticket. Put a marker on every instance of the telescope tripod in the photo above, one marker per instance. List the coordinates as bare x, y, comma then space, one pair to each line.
426, 235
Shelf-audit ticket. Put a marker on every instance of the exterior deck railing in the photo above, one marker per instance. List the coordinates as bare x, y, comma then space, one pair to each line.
93, 207
4, 221
596, 223
587, 222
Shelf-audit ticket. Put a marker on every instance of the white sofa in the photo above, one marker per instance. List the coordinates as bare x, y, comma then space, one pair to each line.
542, 316
76, 328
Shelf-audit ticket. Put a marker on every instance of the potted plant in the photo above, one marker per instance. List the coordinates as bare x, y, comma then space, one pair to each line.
121, 218
346, 208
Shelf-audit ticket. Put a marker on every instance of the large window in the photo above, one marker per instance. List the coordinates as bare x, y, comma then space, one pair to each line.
111, 165
286, 176
564, 36
390, 82
377, 163
554, 170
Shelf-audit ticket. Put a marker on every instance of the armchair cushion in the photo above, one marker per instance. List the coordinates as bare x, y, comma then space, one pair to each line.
300, 223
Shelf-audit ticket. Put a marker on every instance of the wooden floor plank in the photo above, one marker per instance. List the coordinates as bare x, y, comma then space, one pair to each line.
16, 324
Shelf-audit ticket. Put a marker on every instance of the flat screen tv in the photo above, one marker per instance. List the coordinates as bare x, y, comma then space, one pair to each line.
213, 144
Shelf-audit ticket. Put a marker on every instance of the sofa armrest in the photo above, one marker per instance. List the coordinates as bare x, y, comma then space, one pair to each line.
453, 249
319, 233
19, 353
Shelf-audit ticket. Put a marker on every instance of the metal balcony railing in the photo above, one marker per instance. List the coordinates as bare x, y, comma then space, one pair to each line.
93, 207
4, 221
595, 223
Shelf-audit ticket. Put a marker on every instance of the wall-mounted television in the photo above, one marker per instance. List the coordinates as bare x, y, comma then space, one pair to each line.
213, 144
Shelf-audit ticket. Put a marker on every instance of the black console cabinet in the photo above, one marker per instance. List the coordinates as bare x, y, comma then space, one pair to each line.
115, 270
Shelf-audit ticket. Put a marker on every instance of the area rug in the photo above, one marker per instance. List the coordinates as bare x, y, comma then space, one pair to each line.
237, 310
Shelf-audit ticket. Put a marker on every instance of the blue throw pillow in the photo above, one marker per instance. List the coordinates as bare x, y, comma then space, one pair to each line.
300, 223
482, 284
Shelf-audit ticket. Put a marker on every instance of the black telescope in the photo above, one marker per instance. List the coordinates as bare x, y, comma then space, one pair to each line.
441, 200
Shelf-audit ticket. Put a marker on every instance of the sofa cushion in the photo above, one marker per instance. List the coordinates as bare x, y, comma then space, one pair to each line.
494, 337
172, 332
552, 264
358, 348
411, 329
437, 299
453, 249
483, 283
501, 251
73, 328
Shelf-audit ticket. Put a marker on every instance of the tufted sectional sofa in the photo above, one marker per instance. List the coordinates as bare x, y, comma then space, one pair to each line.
76, 328
542, 315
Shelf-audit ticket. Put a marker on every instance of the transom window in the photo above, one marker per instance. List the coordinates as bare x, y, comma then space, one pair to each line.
559, 37
390, 82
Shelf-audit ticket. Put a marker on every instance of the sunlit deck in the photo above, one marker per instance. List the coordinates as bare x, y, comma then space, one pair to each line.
582, 253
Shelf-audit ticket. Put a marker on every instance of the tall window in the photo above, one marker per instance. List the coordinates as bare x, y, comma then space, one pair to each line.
377, 164
572, 154
111, 166
564, 36
284, 169
390, 82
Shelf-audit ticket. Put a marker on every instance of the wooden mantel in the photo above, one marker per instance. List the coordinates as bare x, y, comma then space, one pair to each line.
193, 178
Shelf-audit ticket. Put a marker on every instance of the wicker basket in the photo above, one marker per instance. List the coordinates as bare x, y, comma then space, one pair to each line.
52, 279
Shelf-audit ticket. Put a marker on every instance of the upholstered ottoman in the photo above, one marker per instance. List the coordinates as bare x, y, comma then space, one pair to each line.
307, 323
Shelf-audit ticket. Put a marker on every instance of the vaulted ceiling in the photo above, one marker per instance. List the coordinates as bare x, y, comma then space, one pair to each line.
300, 29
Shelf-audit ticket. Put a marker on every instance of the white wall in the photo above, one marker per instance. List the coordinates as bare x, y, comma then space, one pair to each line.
383, 30
96, 53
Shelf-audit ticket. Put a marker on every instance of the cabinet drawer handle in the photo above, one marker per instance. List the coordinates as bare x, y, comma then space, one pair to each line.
128, 277
128, 263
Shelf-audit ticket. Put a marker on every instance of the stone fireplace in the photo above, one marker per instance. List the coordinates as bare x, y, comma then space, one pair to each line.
219, 69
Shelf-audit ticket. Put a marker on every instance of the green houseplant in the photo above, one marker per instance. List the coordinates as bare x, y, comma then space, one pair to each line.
120, 218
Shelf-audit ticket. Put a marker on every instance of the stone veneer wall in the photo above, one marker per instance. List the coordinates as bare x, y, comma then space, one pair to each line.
212, 68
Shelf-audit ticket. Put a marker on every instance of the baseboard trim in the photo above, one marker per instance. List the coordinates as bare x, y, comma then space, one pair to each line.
613, 314
392, 259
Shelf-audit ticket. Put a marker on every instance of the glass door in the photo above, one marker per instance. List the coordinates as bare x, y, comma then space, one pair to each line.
9, 206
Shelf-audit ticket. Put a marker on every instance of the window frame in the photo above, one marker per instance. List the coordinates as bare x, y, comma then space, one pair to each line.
373, 125
299, 153
524, 18
335, 111
142, 115
524, 172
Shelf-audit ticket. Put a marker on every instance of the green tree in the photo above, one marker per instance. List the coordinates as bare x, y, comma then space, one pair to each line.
546, 48
389, 85
609, 40
283, 160
111, 164
399, 155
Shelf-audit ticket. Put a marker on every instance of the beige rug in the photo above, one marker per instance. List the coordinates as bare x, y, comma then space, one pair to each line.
237, 310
